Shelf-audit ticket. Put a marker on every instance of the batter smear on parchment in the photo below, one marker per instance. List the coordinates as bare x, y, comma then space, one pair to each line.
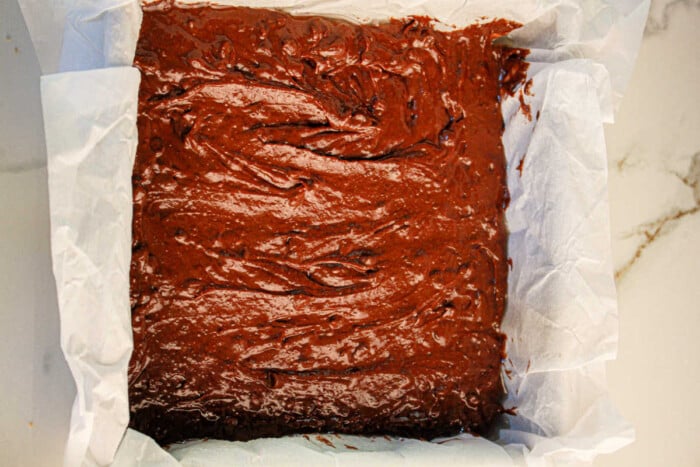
318, 235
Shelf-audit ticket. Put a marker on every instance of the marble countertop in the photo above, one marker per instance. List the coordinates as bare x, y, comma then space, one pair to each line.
654, 169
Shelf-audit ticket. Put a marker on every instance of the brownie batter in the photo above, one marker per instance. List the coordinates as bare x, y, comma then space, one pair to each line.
318, 235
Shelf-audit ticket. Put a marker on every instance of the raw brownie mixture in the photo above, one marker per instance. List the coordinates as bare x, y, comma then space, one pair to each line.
318, 235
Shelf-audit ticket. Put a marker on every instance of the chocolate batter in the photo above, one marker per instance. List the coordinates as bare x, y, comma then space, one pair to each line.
318, 235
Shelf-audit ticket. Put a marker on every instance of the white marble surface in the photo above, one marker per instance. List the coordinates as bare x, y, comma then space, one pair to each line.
36, 388
654, 170
654, 151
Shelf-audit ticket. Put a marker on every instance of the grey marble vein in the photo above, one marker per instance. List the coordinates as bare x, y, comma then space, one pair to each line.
660, 14
651, 231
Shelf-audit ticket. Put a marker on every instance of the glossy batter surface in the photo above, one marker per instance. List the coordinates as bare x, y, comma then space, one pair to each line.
318, 235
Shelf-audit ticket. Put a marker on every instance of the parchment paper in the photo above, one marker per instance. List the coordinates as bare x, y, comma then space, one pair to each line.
561, 319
